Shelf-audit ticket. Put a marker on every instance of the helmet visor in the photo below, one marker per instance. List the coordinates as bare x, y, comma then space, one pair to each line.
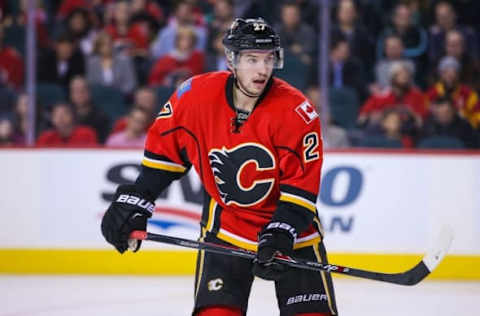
252, 58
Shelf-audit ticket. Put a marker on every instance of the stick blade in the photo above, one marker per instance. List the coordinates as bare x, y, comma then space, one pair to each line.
438, 251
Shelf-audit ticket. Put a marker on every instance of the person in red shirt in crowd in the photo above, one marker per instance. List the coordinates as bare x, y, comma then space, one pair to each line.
402, 95
134, 134
65, 132
11, 64
184, 58
149, 13
464, 98
131, 36
145, 99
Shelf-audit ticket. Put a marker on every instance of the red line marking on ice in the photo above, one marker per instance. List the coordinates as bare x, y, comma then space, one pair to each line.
182, 213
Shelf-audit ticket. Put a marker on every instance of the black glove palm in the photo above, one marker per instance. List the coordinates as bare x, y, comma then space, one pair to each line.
276, 239
129, 211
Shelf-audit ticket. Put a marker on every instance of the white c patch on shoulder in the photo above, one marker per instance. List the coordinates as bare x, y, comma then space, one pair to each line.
307, 112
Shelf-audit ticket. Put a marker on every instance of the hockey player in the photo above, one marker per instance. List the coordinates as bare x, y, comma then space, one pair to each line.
255, 142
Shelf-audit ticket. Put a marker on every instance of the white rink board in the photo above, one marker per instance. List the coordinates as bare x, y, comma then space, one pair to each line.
380, 203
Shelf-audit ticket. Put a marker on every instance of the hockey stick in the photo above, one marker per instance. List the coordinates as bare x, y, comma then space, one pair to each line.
409, 277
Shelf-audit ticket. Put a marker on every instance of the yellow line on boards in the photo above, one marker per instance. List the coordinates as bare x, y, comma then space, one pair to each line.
54, 261
163, 262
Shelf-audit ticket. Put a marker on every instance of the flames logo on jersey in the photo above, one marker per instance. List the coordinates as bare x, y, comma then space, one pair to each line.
228, 166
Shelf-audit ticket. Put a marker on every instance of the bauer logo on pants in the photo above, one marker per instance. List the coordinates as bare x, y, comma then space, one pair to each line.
306, 298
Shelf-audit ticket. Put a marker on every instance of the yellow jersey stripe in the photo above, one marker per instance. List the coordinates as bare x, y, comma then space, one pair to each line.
252, 246
211, 214
324, 280
298, 201
236, 240
163, 166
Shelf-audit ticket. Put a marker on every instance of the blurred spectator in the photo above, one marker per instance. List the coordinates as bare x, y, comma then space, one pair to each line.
62, 64
6, 132
349, 26
445, 21
85, 111
183, 17
220, 23
79, 26
7, 99
148, 13
391, 127
222, 17
455, 47
255, 8
11, 64
414, 37
183, 58
215, 59
133, 37
134, 134
344, 69
15, 26
20, 119
297, 37
418, 10
109, 68
394, 52
144, 99
444, 121
65, 131
309, 10
333, 135
402, 95
463, 97
68, 6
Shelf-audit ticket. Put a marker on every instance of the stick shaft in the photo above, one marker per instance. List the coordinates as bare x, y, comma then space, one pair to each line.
409, 277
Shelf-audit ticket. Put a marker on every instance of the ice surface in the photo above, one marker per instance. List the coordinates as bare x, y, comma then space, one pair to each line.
172, 296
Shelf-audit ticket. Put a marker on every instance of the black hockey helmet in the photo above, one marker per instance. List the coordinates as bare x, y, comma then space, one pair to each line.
252, 34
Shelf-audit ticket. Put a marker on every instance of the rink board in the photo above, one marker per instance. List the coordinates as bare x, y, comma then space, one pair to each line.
148, 262
380, 210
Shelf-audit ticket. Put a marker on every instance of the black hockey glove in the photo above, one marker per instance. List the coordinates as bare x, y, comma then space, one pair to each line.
129, 211
275, 239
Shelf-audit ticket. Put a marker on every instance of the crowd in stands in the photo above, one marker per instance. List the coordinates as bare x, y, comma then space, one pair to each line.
402, 73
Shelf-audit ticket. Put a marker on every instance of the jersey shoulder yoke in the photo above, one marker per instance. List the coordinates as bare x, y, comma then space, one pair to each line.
292, 103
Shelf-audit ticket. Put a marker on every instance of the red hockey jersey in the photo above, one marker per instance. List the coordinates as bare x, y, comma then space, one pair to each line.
275, 155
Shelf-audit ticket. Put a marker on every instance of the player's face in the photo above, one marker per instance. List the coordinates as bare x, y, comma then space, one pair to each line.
253, 70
